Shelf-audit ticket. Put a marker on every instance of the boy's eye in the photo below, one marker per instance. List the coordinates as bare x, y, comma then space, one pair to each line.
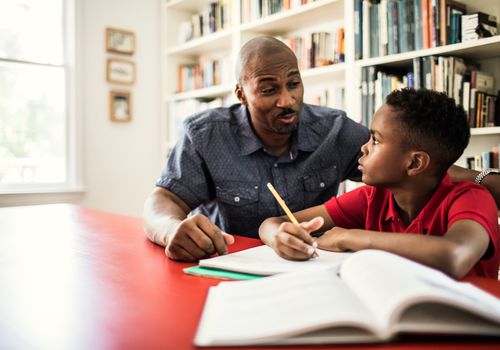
375, 141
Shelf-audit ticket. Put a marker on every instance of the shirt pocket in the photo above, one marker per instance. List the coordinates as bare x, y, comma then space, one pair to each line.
320, 186
240, 196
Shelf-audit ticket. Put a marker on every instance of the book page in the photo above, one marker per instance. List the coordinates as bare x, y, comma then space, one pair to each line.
388, 284
263, 260
281, 307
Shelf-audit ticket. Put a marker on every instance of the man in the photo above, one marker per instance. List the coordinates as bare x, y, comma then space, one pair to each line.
226, 157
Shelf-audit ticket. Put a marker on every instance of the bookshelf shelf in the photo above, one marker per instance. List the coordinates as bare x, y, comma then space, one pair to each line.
479, 49
334, 71
289, 20
493, 130
205, 93
187, 5
212, 42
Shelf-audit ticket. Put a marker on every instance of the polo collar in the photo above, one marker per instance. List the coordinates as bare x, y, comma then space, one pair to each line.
305, 139
423, 218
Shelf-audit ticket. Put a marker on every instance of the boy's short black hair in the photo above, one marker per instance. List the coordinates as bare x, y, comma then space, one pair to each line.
431, 121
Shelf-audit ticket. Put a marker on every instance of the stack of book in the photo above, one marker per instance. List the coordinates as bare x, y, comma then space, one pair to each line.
478, 25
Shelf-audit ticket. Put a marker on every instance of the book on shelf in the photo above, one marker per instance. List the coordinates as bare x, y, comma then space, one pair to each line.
206, 72
373, 296
317, 49
385, 27
328, 96
252, 10
215, 17
487, 159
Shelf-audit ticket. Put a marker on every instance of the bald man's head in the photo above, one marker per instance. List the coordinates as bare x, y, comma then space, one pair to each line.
258, 49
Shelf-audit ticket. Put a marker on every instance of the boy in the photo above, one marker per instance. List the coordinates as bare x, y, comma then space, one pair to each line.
410, 206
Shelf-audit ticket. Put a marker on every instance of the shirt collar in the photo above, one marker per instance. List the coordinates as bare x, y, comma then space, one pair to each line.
432, 205
305, 139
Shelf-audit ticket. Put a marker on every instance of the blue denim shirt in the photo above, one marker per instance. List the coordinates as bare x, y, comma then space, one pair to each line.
220, 167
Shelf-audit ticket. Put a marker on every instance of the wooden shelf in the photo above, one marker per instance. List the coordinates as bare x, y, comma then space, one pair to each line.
479, 49
209, 92
486, 131
298, 17
213, 42
334, 71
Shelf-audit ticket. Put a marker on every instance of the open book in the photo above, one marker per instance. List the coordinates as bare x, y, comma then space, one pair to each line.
372, 297
264, 261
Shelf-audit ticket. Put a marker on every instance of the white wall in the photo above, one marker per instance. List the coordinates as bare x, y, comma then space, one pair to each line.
121, 160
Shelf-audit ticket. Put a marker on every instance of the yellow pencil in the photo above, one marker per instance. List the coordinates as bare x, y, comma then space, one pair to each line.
283, 205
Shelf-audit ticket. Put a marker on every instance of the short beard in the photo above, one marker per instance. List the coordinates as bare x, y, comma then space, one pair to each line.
288, 129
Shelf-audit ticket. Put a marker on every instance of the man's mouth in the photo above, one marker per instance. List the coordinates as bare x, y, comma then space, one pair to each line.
287, 117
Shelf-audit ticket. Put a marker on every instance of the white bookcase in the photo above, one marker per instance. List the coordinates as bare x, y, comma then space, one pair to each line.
316, 16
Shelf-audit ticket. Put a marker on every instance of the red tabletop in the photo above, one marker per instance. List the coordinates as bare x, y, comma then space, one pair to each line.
76, 278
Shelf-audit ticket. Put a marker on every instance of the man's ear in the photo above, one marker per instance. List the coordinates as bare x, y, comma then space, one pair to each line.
419, 161
240, 94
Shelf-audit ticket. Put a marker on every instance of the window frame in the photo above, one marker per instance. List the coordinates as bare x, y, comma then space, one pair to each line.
72, 188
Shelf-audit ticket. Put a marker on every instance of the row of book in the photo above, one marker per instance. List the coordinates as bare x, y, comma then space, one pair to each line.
205, 73
485, 160
180, 110
385, 27
328, 96
465, 82
317, 49
216, 17
252, 10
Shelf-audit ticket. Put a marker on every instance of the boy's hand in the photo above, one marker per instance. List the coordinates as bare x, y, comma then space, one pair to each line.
335, 240
295, 242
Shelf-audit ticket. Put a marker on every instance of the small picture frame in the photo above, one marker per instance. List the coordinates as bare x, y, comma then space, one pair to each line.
120, 71
120, 106
120, 41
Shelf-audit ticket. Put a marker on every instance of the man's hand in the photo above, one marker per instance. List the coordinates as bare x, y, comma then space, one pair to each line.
197, 238
295, 242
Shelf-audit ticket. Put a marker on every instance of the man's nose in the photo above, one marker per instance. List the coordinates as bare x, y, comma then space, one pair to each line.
285, 99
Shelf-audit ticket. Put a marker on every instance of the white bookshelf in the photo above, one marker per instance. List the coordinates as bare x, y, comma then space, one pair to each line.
315, 16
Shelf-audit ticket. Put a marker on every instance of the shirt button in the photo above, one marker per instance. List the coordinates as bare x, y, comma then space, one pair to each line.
256, 187
321, 184
275, 165
236, 199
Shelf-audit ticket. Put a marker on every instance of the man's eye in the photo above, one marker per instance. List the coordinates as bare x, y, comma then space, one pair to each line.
268, 91
294, 84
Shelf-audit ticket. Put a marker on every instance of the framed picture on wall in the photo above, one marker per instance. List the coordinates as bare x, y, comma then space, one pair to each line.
120, 106
120, 71
120, 41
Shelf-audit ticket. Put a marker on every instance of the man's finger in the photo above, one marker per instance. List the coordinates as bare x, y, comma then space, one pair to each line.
176, 252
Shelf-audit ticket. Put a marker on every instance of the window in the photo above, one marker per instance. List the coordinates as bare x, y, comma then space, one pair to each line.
35, 83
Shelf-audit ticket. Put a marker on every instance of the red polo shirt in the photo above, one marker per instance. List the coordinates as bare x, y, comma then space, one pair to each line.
373, 208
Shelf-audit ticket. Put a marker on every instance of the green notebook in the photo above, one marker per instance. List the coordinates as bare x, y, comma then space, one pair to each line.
207, 272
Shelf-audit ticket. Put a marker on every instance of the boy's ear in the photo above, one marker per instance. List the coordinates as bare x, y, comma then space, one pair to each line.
419, 162
240, 94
